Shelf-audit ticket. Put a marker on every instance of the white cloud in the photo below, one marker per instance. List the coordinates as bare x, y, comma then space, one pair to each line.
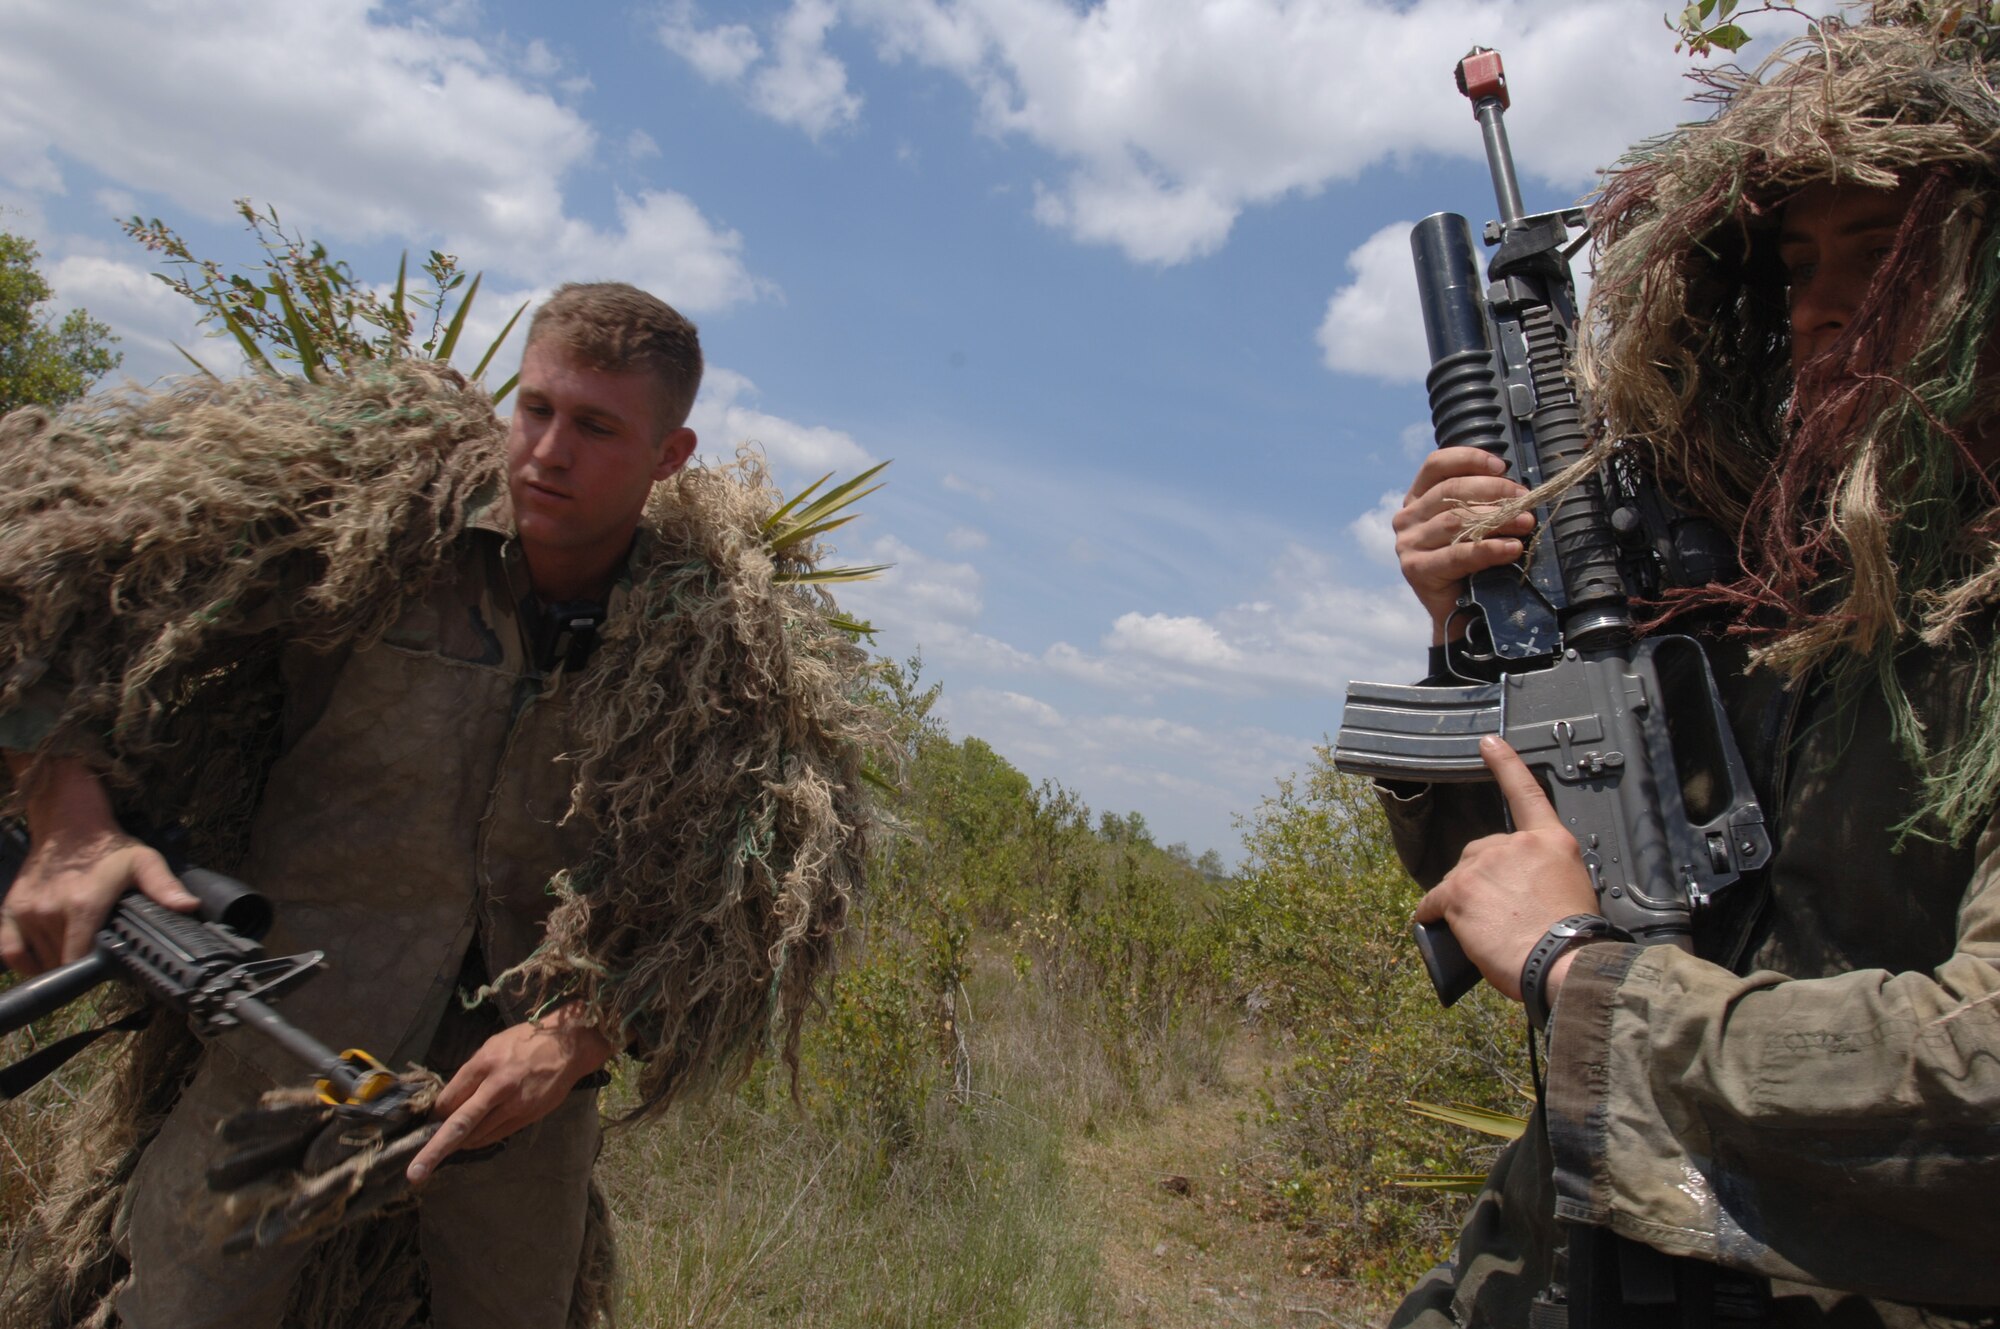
1417, 440
412, 132
640, 146
1373, 325
958, 484
724, 418
662, 244
721, 54
1310, 631
965, 539
117, 203
929, 604
1186, 641
1190, 777
150, 319
805, 85
1169, 117
1373, 530
795, 81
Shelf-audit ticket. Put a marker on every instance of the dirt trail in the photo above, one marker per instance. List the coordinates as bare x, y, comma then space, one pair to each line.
1178, 1244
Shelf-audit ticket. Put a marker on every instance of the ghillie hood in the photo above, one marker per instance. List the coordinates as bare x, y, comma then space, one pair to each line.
155, 554
1863, 523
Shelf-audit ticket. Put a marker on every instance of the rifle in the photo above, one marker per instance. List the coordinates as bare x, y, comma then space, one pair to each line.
209, 967
1629, 736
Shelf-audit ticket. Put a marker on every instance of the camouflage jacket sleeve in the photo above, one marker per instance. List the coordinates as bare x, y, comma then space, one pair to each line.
1841, 1131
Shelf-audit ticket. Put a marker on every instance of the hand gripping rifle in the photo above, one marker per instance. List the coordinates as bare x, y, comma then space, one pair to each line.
1629, 736
209, 967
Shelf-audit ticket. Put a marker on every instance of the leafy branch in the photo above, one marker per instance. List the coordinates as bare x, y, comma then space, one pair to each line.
303, 307
1708, 25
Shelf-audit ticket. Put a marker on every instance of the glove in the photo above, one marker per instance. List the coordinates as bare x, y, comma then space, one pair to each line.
297, 1167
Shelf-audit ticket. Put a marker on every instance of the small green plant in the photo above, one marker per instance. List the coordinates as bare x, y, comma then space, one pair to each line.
304, 307
1707, 26
1486, 1121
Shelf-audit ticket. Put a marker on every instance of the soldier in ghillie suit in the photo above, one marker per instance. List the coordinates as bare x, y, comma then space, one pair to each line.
1794, 325
522, 713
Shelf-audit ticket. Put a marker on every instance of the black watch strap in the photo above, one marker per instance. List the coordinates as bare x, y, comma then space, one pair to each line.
1572, 932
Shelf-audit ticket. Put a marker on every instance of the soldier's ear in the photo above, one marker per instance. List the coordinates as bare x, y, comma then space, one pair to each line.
675, 450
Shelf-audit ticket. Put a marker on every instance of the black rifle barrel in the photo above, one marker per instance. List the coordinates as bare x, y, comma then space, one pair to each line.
32, 998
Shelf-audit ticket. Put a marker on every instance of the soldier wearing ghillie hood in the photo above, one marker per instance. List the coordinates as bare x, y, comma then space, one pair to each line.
522, 724
1794, 325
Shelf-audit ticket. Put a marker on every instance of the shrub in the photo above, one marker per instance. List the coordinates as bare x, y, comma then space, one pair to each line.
1319, 930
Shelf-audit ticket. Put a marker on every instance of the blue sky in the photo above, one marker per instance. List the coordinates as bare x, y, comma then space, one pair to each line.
1122, 289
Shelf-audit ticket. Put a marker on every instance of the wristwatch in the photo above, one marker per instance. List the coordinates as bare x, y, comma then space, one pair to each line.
1572, 932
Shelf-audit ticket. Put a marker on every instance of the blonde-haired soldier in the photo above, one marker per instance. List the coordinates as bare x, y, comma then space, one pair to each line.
472, 651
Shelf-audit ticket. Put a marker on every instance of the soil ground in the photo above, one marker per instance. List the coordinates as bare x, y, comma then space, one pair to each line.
1181, 1240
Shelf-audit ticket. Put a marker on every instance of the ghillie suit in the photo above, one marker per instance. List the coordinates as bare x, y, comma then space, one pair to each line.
1801, 1113
1864, 523
157, 554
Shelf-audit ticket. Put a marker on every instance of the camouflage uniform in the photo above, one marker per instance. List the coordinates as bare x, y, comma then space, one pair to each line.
1813, 1099
409, 830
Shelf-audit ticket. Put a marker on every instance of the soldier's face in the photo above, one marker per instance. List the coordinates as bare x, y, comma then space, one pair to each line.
583, 451
1831, 241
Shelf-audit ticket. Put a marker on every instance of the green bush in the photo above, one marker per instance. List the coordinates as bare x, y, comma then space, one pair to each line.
1319, 928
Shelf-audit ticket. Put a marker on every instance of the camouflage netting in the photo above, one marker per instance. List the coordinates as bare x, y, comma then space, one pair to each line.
1864, 521
156, 552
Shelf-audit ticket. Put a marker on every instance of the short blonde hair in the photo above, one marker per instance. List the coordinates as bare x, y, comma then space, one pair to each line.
617, 327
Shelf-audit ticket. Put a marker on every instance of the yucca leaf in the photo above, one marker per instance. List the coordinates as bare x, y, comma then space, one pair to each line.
1458, 1183
241, 331
819, 515
396, 299
200, 368
826, 504
858, 627
793, 535
457, 324
494, 350
785, 508
1504, 1125
302, 338
833, 576
500, 393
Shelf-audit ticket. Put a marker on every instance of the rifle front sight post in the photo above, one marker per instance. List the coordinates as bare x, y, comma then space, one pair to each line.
1482, 78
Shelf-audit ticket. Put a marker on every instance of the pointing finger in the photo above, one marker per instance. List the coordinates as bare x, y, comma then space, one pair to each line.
1525, 799
449, 1137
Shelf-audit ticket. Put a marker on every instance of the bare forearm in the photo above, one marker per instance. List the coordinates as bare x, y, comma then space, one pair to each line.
80, 863
64, 799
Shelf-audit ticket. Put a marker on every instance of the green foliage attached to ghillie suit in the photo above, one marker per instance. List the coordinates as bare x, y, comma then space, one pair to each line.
155, 554
1865, 526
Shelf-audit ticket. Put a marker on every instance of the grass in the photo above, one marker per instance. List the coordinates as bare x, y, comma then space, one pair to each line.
1036, 1203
